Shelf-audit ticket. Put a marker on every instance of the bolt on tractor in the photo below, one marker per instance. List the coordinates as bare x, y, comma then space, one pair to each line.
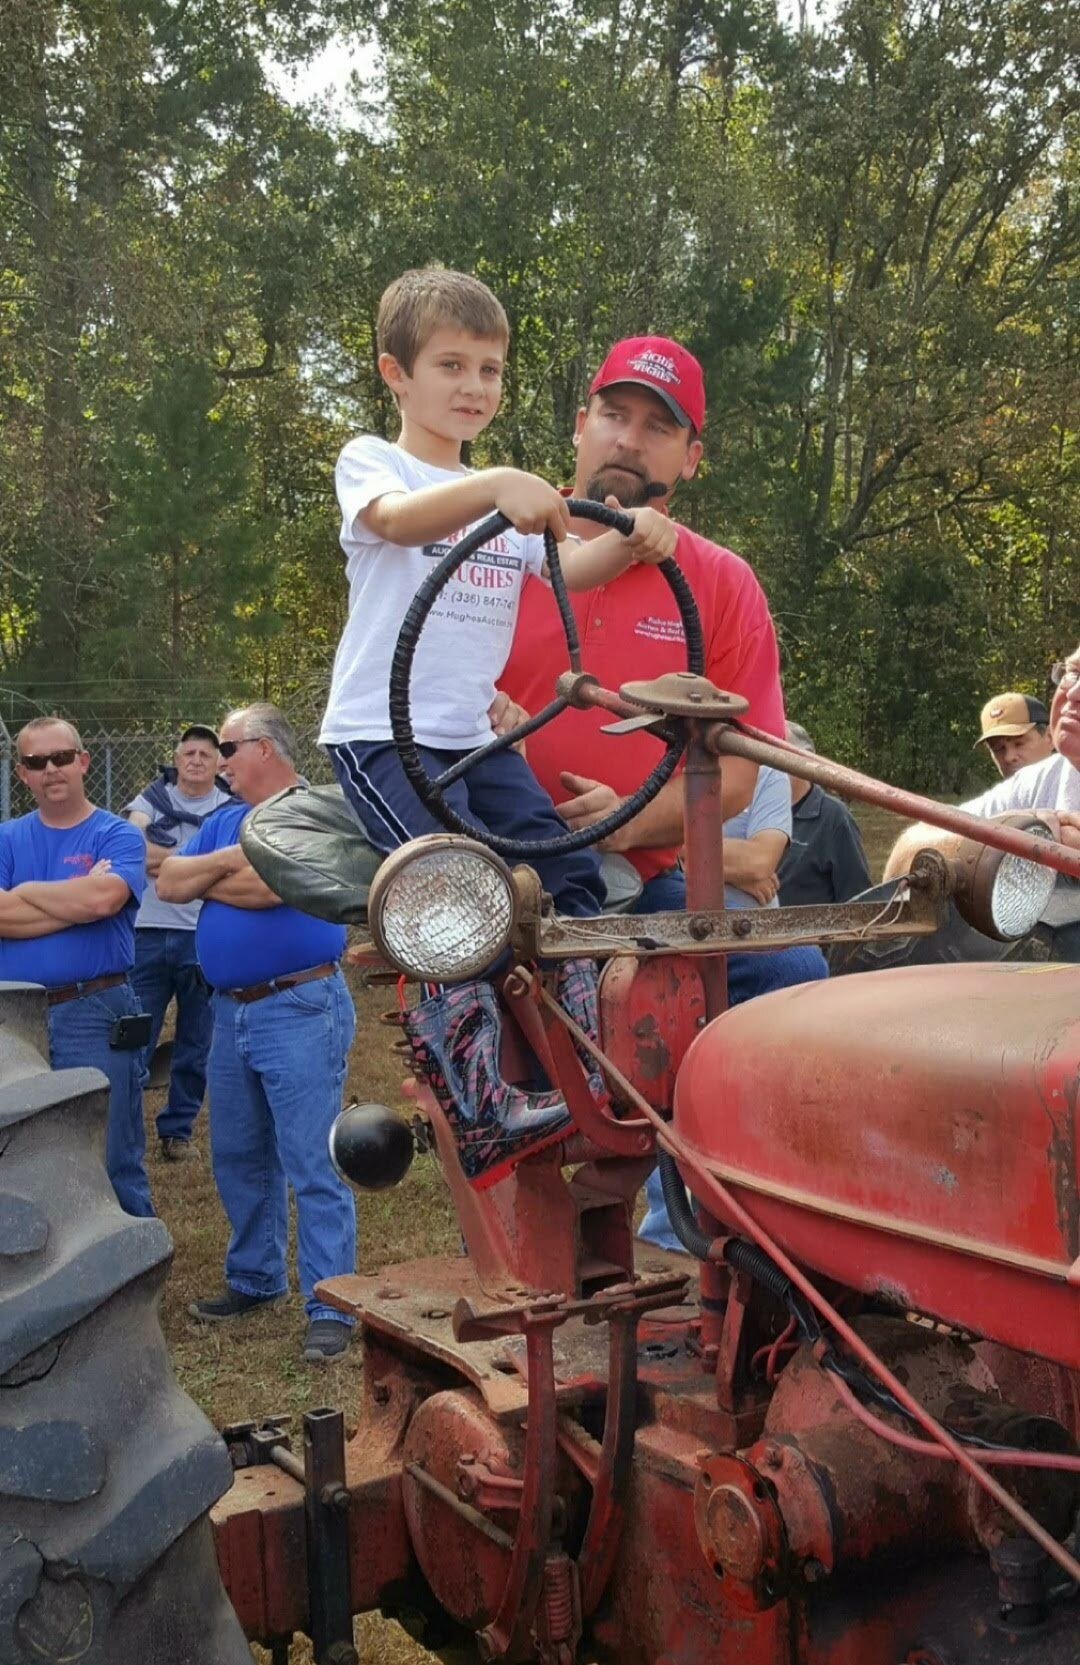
842, 1429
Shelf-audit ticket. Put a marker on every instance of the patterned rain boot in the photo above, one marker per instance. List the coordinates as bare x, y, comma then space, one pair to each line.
455, 1039
577, 991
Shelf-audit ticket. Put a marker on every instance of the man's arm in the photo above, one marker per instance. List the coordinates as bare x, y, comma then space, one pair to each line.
1063, 824
750, 863
20, 920
96, 895
155, 853
661, 824
223, 875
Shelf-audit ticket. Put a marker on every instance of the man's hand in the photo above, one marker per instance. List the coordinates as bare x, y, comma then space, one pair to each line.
593, 801
1064, 824
762, 890
504, 715
530, 504
654, 538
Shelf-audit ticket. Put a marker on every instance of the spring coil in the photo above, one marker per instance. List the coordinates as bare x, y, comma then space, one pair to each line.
558, 1598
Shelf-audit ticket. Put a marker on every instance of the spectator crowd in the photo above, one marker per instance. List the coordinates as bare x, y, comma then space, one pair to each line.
119, 916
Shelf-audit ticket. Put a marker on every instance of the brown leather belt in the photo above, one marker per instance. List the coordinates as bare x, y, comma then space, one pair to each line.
260, 991
75, 991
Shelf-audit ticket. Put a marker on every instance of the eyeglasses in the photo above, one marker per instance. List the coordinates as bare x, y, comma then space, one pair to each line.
40, 760
1064, 675
228, 748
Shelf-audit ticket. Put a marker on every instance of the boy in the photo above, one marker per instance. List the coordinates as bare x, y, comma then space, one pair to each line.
442, 339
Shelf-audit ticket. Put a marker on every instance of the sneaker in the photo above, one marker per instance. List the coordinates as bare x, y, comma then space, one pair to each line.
176, 1150
215, 1309
327, 1338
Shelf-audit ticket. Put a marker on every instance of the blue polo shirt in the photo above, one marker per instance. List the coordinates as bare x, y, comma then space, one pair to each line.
238, 947
31, 850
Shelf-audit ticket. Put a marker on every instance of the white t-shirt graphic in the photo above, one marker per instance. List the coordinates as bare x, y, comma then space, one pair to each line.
467, 636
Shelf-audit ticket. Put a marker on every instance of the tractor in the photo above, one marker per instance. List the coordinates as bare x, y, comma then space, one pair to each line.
841, 1429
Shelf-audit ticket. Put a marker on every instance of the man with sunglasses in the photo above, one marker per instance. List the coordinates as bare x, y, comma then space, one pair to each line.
71, 877
283, 1025
1049, 789
169, 813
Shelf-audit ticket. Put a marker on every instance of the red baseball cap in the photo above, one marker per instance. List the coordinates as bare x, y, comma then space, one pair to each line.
658, 363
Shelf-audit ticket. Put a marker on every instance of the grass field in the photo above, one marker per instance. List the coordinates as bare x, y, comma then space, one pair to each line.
255, 1369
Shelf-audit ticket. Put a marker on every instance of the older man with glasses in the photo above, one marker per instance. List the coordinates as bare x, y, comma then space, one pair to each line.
283, 1025
1049, 789
71, 878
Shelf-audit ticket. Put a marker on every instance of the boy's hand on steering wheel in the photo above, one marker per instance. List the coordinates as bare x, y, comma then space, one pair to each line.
529, 503
654, 537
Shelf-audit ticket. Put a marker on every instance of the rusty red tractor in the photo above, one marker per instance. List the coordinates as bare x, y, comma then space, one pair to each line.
842, 1430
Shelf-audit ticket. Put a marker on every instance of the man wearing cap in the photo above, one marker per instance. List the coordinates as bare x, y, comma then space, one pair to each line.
71, 876
1014, 732
637, 438
170, 813
825, 861
1049, 789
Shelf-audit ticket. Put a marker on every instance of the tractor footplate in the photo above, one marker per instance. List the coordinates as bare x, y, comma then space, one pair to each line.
416, 1308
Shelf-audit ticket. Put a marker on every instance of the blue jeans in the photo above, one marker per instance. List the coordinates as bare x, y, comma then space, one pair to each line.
166, 965
79, 1038
277, 1069
748, 976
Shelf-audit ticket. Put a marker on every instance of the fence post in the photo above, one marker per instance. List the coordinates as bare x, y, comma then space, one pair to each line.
108, 774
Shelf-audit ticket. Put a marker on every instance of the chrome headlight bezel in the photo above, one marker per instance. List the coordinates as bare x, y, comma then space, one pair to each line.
408, 908
989, 885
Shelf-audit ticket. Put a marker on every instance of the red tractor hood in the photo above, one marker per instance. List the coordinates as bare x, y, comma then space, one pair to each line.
911, 1133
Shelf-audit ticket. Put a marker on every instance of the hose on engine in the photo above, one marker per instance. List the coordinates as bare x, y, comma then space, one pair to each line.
680, 1212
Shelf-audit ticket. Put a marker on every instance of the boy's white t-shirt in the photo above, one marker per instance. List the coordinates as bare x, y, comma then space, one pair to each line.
467, 636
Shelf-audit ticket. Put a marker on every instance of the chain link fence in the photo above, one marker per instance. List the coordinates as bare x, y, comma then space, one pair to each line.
123, 765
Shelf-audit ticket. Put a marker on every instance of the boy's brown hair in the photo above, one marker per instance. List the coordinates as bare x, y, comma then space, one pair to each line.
422, 300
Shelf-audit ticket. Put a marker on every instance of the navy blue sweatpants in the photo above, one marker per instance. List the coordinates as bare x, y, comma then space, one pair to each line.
500, 794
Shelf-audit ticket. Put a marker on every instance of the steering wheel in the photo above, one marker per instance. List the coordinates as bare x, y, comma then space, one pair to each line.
431, 791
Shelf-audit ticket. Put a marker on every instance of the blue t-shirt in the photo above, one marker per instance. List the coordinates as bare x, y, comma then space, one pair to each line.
241, 946
31, 850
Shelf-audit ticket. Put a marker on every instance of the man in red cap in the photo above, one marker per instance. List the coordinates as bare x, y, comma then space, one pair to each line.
637, 438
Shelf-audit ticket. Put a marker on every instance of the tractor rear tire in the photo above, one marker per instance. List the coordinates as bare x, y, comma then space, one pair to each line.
107, 1470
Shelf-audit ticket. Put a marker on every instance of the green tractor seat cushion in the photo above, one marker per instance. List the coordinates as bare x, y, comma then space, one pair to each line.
308, 846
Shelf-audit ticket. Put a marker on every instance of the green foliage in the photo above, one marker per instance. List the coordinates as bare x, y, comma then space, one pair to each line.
866, 228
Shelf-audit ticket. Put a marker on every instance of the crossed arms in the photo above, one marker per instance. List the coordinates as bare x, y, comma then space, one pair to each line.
220, 876
41, 907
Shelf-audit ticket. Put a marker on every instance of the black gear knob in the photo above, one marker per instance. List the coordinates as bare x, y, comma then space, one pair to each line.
371, 1147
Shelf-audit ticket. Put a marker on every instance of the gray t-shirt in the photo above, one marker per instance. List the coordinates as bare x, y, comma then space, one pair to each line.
173, 916
1052, 784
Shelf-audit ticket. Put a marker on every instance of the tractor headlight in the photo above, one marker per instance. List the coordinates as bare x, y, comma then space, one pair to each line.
441, 908
1003, 895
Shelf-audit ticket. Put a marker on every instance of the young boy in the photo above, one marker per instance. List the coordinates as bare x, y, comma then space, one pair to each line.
442, 340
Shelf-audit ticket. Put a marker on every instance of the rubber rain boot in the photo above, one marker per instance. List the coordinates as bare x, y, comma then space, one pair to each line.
455, 1038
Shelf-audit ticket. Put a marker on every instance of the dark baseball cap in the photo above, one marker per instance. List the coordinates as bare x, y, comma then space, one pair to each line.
199, 731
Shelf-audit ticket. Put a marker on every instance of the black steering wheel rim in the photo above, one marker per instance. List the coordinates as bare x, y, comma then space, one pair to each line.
428, 790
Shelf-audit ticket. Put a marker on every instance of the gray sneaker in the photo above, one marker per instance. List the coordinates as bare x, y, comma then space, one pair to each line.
177, 1150
327, 1338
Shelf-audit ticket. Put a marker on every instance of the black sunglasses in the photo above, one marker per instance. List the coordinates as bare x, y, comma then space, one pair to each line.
228, 747
39, 760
